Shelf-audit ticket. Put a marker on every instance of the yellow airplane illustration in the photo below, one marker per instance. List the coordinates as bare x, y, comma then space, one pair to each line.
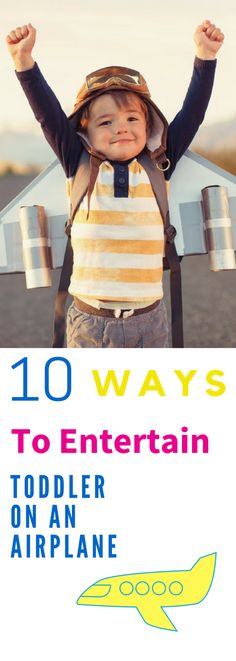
151, 592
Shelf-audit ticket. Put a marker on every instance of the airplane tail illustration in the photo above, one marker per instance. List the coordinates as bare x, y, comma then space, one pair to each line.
202, 574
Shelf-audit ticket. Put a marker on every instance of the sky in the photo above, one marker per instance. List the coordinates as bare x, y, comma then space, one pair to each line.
78, 36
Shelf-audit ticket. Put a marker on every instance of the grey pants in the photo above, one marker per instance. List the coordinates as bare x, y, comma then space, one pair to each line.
146, 330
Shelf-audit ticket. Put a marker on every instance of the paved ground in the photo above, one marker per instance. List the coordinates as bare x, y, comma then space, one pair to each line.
209, 300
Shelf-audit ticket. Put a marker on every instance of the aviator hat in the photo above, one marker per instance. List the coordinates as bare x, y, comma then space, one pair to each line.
122, 78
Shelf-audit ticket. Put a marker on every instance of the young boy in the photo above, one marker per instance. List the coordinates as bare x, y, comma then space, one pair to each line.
117, 234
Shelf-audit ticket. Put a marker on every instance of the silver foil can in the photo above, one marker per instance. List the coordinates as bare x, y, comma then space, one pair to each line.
36, 246
218, 228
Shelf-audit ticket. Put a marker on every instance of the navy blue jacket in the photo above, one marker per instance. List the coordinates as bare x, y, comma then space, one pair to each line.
66, 143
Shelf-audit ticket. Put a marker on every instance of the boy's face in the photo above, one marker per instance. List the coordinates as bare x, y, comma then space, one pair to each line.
118, 133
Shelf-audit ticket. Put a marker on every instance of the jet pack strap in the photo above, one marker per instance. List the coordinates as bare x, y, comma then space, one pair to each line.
170, 233
80, 183
171, 259
61, 296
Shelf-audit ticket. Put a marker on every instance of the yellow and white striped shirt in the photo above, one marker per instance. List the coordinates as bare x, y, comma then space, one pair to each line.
118, 250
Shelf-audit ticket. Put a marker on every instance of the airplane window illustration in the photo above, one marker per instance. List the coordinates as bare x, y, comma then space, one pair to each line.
159, 587
142, 587
126, 588
176, 588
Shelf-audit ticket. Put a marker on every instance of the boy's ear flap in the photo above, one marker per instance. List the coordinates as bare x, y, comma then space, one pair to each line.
149, 126
155, 130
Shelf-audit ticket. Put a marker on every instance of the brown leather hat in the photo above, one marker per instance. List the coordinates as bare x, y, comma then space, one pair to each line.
122, 78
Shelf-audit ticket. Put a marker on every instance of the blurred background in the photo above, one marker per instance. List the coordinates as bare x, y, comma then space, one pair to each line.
157, 39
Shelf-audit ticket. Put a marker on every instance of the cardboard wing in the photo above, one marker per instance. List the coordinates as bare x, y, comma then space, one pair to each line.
192, 174
48, 191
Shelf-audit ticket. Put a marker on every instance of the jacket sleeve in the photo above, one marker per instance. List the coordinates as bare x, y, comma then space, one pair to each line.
186, 123
56, 127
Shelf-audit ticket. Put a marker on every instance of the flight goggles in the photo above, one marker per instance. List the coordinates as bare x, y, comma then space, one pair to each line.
120, 76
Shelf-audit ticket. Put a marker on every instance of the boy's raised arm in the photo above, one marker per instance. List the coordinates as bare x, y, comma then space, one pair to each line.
208, 39
58, 131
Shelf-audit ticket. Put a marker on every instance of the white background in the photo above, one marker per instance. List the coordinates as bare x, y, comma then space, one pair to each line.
167, 510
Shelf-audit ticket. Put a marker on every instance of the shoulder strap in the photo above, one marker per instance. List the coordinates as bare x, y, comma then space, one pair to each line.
83, 183
157, 180
171, 260
61, 296
79, 189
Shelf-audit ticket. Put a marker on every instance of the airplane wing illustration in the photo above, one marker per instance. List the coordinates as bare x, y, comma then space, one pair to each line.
48, 190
